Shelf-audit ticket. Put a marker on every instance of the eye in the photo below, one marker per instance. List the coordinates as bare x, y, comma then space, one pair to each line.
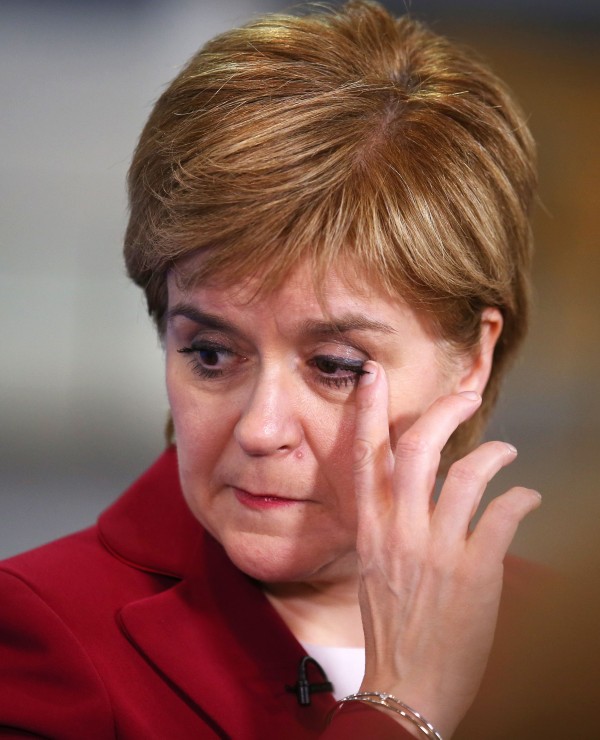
337, 372
211, 359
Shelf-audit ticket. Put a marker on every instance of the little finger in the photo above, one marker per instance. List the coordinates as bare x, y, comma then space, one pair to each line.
496, 529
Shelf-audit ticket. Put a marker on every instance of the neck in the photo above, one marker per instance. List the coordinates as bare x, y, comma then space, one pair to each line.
320, 612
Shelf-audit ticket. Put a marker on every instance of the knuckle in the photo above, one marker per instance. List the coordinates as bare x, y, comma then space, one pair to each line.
411, 549
413, 444
364, 454
503, 509
440, 561
365, 401
464, 471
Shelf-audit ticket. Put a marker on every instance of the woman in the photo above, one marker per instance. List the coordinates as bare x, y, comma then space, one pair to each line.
329, 219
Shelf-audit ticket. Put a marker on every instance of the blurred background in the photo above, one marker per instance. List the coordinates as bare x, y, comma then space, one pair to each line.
82, 400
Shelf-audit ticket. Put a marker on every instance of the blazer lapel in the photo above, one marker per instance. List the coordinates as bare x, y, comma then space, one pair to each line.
217, 638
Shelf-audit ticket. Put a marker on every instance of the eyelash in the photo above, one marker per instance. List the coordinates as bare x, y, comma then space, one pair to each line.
355, 367
195, 350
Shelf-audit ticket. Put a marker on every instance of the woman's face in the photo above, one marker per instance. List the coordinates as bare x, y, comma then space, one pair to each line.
262, 397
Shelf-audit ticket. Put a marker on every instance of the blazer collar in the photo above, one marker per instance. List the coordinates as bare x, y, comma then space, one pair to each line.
213, 633
150, 526
217, 638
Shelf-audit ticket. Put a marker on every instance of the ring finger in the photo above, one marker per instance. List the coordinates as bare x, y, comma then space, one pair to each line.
464, 487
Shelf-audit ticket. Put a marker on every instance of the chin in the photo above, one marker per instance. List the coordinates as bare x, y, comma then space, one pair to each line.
272, 559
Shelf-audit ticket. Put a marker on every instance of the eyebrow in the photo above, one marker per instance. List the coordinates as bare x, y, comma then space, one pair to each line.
344, 324
209, 320
312, 327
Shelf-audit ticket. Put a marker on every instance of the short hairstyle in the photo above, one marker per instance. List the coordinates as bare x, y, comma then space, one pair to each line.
343, 134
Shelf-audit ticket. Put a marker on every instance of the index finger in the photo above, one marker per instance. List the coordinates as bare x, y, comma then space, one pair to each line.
373, 459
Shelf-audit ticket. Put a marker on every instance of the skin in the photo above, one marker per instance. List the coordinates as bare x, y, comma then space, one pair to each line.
429, 610
308, 445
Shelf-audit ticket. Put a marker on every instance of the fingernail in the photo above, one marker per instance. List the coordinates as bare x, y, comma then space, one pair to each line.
470, 395
511, 448
369, 374
537, 494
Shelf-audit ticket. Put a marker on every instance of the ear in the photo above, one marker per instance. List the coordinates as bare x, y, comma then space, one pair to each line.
478, 366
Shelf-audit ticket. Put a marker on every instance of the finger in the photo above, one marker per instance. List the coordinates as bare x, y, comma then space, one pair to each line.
418, 451
372, 452
464, 486
496, 529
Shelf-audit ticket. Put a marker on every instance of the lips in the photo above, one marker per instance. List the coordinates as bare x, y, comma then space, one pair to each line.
262, 500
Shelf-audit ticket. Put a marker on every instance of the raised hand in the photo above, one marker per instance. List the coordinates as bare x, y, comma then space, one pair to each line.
429, 587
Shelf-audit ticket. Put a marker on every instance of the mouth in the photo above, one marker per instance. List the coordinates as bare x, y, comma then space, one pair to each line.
263, 500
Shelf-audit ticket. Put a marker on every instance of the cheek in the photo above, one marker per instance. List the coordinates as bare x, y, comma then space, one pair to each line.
411, 396
200, 420
202, 433
331, 439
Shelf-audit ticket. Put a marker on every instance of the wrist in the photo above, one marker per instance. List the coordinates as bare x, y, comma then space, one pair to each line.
443, 710
402, 713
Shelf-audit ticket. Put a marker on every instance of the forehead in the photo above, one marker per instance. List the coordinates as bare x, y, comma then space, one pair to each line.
300, 300
299, 286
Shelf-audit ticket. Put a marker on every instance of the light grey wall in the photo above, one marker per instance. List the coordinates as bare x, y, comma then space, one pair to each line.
82, 402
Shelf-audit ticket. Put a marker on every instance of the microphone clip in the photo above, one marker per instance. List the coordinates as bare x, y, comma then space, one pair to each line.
303, 688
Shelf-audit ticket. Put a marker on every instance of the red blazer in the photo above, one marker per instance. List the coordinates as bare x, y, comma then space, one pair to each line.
141, 628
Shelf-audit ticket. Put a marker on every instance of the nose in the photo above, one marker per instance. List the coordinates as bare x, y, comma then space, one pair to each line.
269, 422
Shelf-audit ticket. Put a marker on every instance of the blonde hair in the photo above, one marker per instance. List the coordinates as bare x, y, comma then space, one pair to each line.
347, 135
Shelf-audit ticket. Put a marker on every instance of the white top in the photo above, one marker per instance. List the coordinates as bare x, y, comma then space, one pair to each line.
344, 666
